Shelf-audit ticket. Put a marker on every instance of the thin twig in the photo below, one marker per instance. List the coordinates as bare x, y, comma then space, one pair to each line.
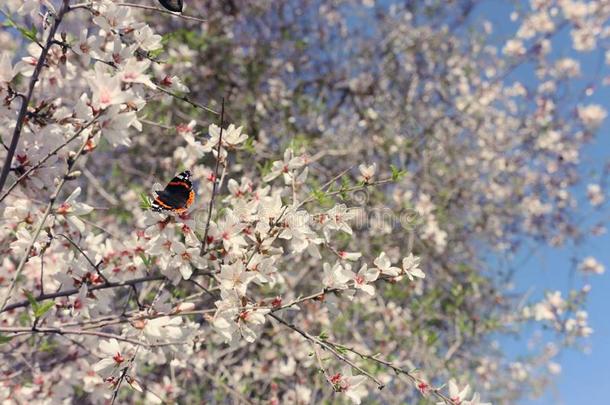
161, 10
42, 252
136, 295
155, 124
321, 365
321, 294
117, 387
396, 369
151, 8
137, 316
187, 100
307, 298
326, 346
238, 395
312, 197
214, 184
133, 358
99, 188
96, 267
336, 348
42, 273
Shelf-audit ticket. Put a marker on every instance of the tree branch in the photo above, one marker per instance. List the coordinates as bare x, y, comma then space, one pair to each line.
214, 184
26, 100
67, 293
60, 331
186, 100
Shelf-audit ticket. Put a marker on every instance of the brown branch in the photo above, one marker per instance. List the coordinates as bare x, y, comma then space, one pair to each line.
26, 100
59, 331
326, 346
161, 10
214, 184
115, 392
307, 298
187, 100
67, 293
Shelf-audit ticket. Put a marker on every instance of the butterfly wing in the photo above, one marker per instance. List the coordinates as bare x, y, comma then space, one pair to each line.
177, 196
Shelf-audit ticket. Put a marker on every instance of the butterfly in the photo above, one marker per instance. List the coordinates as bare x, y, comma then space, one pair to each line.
177, 196
172, 5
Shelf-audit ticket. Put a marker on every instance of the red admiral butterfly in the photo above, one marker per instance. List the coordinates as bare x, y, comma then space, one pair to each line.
177, 196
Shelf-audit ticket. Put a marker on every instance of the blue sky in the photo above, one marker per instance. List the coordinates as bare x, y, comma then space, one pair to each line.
585, 373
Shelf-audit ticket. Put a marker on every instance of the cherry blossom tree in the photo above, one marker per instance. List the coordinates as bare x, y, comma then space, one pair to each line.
366, 177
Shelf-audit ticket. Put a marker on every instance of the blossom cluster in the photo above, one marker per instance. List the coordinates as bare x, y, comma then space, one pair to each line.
273, 285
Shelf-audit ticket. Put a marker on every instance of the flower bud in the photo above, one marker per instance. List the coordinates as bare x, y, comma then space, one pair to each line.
71, 157
185, 306
139, 323
73, 175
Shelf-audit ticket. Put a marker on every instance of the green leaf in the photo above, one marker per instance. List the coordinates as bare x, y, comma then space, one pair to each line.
146, 260
43, 309
265, 168
345, 185
145, 201
156, 53
432, 338
397, 174
249, 145
5, 339
31, 299
29, 33
47, 346
341, 349
323, 335
321, 197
